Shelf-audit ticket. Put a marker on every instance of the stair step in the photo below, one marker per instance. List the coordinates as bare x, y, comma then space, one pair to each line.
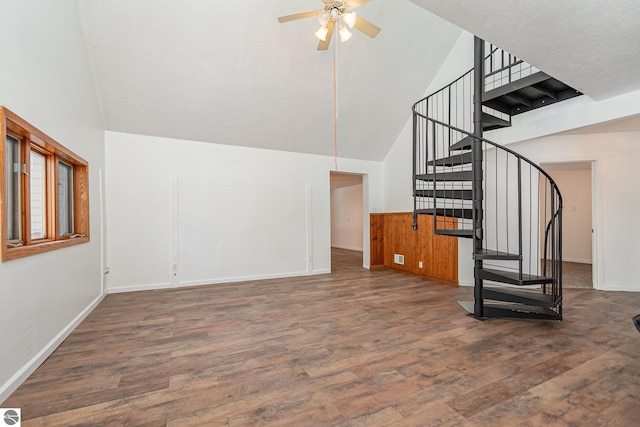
491, 122
463, 144
446, 194
447, 176
512, 310
455, 233
452, 213
456, 160
528, 93
492, 254
513, 278
520, 296
514, 86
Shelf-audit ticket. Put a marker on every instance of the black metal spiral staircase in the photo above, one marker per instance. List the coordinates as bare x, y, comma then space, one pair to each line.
477, 189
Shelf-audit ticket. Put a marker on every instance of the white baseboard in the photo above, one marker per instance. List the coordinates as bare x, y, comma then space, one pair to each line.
19, 377
578, 260
349, 248
218, 281
250, 278
137, 288
620, 288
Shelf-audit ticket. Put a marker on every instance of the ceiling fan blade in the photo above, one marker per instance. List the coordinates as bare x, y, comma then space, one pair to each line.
366, 27
352, 4
324, 45
300, 15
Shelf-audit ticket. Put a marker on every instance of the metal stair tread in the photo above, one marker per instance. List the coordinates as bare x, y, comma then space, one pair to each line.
446, 194
513, 277
491, 122
455, 160
463, 144
446, 176
447, 212
519, 296
454, 233
495, 255
514, 86
512, 310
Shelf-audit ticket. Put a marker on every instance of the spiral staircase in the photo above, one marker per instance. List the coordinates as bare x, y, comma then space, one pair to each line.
477, 189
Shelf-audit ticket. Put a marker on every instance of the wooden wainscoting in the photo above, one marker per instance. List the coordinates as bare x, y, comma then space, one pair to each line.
391, 233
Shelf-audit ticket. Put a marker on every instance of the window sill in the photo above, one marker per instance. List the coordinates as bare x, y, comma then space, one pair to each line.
38, 248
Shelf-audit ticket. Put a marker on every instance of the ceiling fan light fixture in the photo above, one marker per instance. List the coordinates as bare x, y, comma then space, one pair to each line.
349, 18
345, 34
324, 18
322, 33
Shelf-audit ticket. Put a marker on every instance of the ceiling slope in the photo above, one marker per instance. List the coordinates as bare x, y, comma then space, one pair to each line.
592, 45
229, 73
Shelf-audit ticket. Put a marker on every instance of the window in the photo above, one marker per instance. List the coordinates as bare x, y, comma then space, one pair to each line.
44, 193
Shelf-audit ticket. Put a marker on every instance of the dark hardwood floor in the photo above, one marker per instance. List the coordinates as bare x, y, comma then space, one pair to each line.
353, 348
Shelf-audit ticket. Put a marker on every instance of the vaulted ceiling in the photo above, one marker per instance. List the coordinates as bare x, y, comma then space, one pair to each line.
228, 72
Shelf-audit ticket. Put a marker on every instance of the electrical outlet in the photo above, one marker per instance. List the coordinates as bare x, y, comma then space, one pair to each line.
420, 264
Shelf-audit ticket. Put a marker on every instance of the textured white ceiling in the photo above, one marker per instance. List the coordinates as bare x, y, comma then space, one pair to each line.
592, 45
227, 72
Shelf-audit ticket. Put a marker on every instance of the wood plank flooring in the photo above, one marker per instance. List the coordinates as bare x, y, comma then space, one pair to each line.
353, 348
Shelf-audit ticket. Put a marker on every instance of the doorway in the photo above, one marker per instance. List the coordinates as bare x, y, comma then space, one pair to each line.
575, 181
347, 225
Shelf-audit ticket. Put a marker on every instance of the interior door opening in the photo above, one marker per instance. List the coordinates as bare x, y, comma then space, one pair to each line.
574, 179
347, 220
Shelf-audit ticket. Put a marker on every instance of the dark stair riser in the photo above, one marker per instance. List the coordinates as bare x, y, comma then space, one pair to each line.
457, 176
457, 160
528, 93
489, 254
446, 194
516, 311
520, 297
513, 278
445, 212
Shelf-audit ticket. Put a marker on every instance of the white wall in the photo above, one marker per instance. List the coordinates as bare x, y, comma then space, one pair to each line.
45, 78
575, 186
346, 218
242, 213
616, 204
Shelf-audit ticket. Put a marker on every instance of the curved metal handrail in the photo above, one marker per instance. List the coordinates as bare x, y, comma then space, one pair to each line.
495, 144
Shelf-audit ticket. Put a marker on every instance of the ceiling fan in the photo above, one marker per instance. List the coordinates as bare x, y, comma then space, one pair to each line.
332, 13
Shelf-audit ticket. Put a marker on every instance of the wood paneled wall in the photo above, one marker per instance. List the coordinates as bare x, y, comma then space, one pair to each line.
391, 233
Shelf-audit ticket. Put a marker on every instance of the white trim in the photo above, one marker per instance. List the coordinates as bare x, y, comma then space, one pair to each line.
619, 288
579, 261
137, 288
19, 377
175, 232
251, 278
187, 283
350, 248
309, 224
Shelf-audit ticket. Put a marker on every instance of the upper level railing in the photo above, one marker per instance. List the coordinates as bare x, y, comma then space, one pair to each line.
501, 68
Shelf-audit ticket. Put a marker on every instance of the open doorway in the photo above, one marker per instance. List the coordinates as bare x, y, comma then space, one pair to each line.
347, 200
575, 181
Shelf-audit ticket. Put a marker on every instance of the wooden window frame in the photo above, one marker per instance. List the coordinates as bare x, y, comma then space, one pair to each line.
33, 139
